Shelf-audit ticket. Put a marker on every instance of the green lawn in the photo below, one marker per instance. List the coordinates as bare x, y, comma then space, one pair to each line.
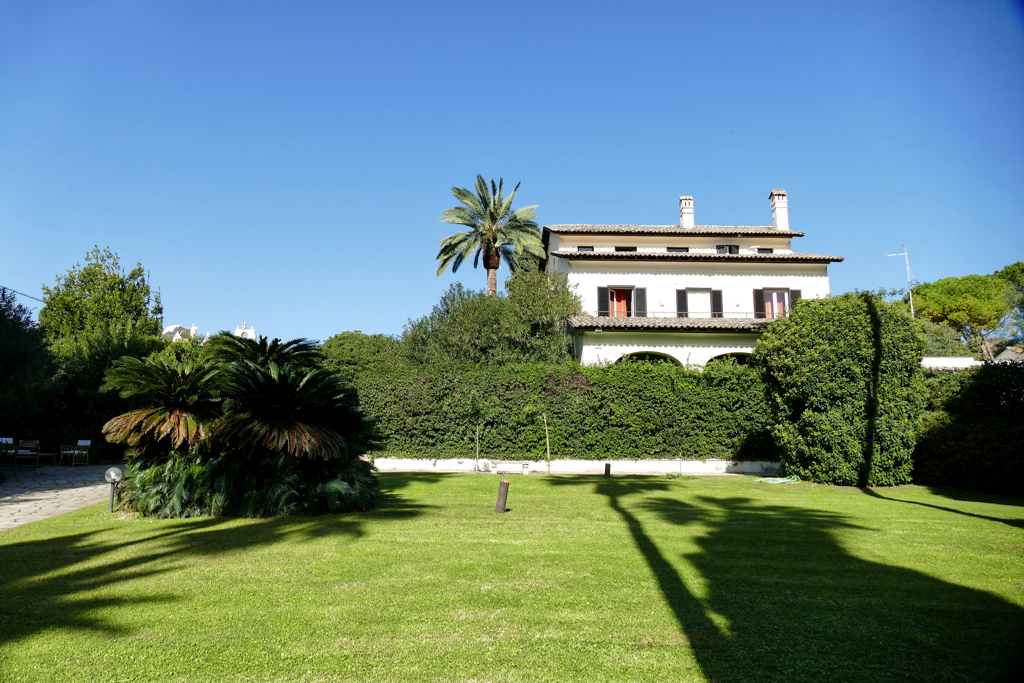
584, 579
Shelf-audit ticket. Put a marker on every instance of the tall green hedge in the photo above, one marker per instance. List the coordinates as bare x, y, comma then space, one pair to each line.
972, 434
629, 410
846, 389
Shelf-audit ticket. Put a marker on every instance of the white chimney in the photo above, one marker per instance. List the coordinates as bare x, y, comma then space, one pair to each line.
686, 212
780, 210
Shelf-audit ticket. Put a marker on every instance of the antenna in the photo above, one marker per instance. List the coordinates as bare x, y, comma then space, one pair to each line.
909, 288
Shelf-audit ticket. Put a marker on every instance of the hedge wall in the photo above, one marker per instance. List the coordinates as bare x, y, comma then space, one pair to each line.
973, 429
629, 410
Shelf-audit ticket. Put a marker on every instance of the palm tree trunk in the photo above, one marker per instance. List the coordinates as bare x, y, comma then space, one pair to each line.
491, 262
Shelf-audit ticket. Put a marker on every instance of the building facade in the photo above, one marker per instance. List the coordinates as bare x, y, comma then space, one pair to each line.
685, 292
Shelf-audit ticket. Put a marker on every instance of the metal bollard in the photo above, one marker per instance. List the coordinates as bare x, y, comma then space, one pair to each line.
502, 496
607, 469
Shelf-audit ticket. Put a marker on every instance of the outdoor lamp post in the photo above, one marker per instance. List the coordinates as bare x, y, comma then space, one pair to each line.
113, 475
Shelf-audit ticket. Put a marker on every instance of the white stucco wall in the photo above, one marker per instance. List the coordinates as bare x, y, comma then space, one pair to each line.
737, 281
689, 348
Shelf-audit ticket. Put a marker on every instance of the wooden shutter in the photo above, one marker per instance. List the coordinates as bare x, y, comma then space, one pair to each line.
758, 303
794, 295
716, 303
640, 301
603, 307
681, 309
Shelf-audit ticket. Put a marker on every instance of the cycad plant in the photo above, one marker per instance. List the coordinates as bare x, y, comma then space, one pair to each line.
179, 400
496, 231
276, 437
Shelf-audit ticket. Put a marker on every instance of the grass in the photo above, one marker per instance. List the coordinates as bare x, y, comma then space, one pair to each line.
585, 578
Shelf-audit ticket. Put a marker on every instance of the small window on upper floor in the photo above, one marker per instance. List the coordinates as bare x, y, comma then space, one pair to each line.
728, 248
625, 248
584, 249
763, 251
678, 250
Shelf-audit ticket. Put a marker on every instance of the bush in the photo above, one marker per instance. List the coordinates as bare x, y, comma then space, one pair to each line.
973, 429
845, 390
628, 410
526, 325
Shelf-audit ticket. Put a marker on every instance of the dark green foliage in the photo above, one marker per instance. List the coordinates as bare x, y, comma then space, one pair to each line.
95, 295
189, 485
1014, 275
93, 316
246, 428
26, 369
940, 340
526, 325
845, 389
628, 410
973, 430
348, 354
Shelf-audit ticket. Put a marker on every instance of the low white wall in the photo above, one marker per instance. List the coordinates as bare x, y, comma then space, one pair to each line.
566, 466
951, 363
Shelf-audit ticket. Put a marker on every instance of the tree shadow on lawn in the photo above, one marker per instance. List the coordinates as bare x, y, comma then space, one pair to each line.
1018, 523
44, 582
786, 602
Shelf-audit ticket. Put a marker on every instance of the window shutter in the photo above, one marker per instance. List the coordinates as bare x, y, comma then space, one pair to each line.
794, 295
716, 303
681, 309
722, 248
758, 303
640, 301
603, 306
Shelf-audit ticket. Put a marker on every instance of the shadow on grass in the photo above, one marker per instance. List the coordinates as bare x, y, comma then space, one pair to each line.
1018, 523
782, 600
66, 582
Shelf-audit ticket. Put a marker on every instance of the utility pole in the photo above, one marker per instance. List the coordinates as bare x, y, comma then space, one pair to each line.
909, 288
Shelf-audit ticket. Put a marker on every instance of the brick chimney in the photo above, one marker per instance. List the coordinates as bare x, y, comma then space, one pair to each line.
686, 211
780, 210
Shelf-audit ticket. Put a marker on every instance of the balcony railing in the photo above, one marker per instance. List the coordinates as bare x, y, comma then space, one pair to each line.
675, 314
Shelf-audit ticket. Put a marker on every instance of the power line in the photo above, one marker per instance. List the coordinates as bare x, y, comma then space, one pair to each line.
23, 294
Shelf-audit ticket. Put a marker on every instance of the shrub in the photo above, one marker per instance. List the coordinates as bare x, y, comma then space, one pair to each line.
845, 390
627, 410
973, 429
525, 325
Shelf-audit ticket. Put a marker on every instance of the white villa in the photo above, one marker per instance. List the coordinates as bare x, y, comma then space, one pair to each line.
688, 292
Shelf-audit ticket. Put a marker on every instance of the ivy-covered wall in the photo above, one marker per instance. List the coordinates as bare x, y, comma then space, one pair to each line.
628, 410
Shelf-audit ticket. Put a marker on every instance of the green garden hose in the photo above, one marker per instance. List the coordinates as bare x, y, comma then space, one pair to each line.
788, 480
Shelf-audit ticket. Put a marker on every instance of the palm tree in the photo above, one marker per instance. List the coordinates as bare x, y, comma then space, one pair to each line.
181, 398
496, 231
298, 352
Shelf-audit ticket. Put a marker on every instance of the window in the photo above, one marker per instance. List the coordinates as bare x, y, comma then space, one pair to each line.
625, 248
763, 251
678, 250
622, 302
774, 303
728, 248
584, 249
699, 303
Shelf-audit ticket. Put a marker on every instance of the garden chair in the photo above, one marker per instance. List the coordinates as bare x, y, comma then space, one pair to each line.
6, 448
27, 450
78, 454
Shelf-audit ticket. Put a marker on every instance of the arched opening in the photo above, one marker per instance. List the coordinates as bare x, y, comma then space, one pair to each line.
740, 357
650, 357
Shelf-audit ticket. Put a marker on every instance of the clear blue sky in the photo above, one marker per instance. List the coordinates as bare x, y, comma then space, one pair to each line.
286, 163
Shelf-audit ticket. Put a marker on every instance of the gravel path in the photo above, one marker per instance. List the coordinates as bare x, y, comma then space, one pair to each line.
33, 493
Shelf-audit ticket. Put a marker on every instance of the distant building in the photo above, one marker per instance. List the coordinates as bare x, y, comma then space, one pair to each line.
685, 292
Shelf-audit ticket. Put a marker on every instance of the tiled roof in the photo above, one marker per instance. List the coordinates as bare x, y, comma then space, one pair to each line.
676, 230
585, 321
689, 256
